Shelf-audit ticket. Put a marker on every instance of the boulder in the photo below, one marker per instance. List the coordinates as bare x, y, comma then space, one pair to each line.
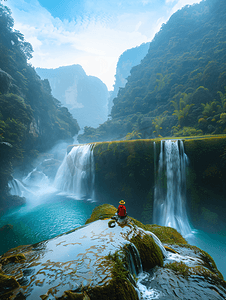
98, 261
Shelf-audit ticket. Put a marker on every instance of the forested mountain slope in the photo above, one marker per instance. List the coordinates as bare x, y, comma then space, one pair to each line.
179, 87
31, 120
130, 58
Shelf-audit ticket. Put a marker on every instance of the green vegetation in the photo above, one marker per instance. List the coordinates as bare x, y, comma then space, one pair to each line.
31, 120
7, 285
117, 287
14, 258
167, 235
126, 170
133, 135
179, 267
178, 89
119, 283
150, 253
206, 182
105, 211
121, 172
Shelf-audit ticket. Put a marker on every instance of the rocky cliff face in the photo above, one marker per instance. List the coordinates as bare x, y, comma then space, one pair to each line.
127, 170
108, 259
84, 96
126, 62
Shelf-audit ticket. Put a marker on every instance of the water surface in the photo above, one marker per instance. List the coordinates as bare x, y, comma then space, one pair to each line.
213, 244
35, 222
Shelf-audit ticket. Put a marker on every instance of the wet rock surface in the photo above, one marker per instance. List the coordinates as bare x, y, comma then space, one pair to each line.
68, 262
170, 285
101, 262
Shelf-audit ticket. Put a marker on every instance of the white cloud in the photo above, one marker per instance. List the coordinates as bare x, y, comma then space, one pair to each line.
93, 41
90, 43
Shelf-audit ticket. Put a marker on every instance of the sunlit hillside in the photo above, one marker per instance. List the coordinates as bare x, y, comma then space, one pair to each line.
179, 87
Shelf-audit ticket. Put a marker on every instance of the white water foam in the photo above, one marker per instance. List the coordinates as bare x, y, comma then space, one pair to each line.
76, 174
146, 293
170, 187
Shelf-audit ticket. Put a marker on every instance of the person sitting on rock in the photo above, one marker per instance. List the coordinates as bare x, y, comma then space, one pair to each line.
121, 210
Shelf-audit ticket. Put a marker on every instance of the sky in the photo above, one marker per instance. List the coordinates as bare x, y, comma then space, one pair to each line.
91, 33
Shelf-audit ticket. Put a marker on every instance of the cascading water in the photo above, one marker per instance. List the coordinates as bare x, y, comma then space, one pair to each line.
17, 188
76, 173
51, 210
36, 178
170, 187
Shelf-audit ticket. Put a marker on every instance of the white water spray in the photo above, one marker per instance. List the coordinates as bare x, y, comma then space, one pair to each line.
76, 173
170, 187
18, 188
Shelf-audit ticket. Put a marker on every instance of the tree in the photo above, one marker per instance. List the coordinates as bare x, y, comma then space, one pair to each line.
182, 108
157, 123
133, 135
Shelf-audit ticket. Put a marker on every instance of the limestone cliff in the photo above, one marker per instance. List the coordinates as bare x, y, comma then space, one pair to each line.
84, 96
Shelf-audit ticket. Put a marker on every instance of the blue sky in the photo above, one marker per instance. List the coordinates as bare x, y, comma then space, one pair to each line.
91, 33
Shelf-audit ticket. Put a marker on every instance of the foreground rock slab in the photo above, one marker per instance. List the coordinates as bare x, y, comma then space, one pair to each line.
106, 259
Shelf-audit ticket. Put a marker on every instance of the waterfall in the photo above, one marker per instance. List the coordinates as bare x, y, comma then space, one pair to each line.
17, 188
170, 187
36, 178
77, 173
133, 260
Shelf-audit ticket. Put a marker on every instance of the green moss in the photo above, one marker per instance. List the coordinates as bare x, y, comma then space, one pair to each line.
69, 295
170, 249
207, 259
206, 181
137, 223
118, 269
182, 269
6, 228
7, 284
210, 264
150, 253
207, 274
166, 235
15, 258
179, 267
101, 212
119, 287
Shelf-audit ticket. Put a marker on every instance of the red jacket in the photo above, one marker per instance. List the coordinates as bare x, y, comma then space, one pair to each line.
122, 210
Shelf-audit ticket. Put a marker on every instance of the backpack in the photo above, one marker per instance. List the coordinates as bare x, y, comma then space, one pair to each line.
122, 211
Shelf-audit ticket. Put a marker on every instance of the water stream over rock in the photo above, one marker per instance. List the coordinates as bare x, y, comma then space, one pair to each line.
58, 210
54, 204
170, 187
76, 174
